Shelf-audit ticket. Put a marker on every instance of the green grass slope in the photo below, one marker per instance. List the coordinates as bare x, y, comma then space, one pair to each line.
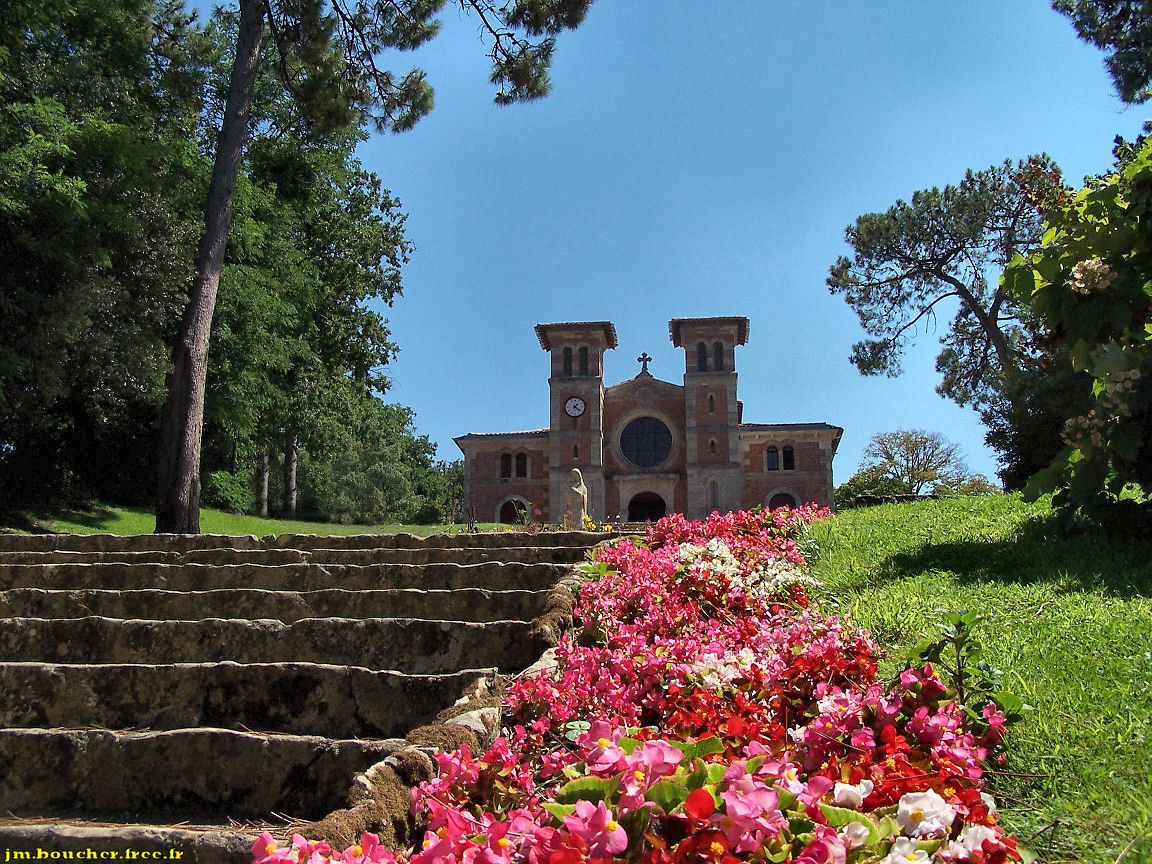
1069, 621
132, 520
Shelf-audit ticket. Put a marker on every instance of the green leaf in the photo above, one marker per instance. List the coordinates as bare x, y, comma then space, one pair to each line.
559, 810
708, 746
698, 777
838, 817
667, 794
587, 789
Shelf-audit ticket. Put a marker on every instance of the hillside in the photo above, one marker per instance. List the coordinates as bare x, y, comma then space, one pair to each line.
1067, 619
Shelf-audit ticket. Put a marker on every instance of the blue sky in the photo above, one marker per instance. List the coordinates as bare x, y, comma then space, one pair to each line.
704, 159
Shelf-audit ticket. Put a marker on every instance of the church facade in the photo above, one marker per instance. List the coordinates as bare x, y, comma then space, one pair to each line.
647, 447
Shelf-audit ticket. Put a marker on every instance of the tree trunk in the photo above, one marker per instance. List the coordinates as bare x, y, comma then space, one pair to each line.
178, 472
290, 476
262, 480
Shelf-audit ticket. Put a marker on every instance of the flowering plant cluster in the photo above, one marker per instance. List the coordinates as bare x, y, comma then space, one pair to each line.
705, 711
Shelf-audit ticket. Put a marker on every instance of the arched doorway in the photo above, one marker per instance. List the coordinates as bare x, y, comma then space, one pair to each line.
646, 507
511, 511
782, 499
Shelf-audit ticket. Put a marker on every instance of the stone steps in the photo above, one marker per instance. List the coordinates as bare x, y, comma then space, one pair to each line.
298, 698
461, 604
510, 576
407, 644
505, 543
169, 678
180, 773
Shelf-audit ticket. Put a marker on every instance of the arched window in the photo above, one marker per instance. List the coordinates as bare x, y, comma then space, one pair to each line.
711, 404
575, 452
718, 356
583, 360
712, 446
713, 496
701, 357
772, 459
521, 465
506, 465
567, 361
789, 459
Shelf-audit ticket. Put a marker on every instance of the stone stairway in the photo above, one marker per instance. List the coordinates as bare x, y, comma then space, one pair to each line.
208, 681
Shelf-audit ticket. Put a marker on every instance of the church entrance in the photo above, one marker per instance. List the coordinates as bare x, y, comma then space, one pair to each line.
783, 499
646, 507
512, 512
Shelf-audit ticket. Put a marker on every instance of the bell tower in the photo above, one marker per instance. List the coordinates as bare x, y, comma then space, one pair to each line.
711, 411
576, 409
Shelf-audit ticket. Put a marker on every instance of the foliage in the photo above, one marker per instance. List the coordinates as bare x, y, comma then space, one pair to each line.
1025, 425
873, 480
958, 659
1091, 285
942, 247
232, 492
1069, 619
1125, 27
705, 713
96, 180
915, 460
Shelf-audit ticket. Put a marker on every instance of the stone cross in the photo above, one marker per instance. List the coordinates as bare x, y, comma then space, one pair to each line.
645, 360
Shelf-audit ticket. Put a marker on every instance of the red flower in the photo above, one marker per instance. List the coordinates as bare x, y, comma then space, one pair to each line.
700, 804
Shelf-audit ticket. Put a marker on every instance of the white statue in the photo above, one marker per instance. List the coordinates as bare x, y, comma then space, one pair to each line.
575, 501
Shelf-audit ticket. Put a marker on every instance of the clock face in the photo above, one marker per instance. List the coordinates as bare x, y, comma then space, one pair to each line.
574, 407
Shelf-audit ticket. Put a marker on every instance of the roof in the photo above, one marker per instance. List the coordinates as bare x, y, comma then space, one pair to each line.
609, 331
783, 426
501, 434
740, 322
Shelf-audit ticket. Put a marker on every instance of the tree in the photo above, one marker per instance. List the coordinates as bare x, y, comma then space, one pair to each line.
96, 229
1091, 286
942, 246
326, 55
915, 460
1125, 27
873, 480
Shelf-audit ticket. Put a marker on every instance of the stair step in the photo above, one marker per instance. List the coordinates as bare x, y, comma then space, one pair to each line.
183, 774
222, 844
282, 577
296, 698
462, 604
404, 644
186, 542
221, 557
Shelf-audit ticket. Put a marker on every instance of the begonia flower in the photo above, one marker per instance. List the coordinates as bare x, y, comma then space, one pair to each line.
922, 813
593, 824
904, 851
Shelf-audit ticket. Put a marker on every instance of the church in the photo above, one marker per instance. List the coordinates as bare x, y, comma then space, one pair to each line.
646, 447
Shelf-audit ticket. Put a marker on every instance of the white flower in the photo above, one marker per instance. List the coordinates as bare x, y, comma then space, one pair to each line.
923, 813
989, 802
1091, 275
970, 839
852, 796
903, 851
855, 834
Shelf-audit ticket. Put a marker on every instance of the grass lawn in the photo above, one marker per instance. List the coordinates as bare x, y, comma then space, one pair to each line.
133, 520
1069, 621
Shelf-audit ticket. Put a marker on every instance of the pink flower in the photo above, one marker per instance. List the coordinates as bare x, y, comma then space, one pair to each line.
603, 756
594, 825
827, 849
264, 849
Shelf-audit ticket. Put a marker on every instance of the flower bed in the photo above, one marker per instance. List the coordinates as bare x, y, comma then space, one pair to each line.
704, 711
